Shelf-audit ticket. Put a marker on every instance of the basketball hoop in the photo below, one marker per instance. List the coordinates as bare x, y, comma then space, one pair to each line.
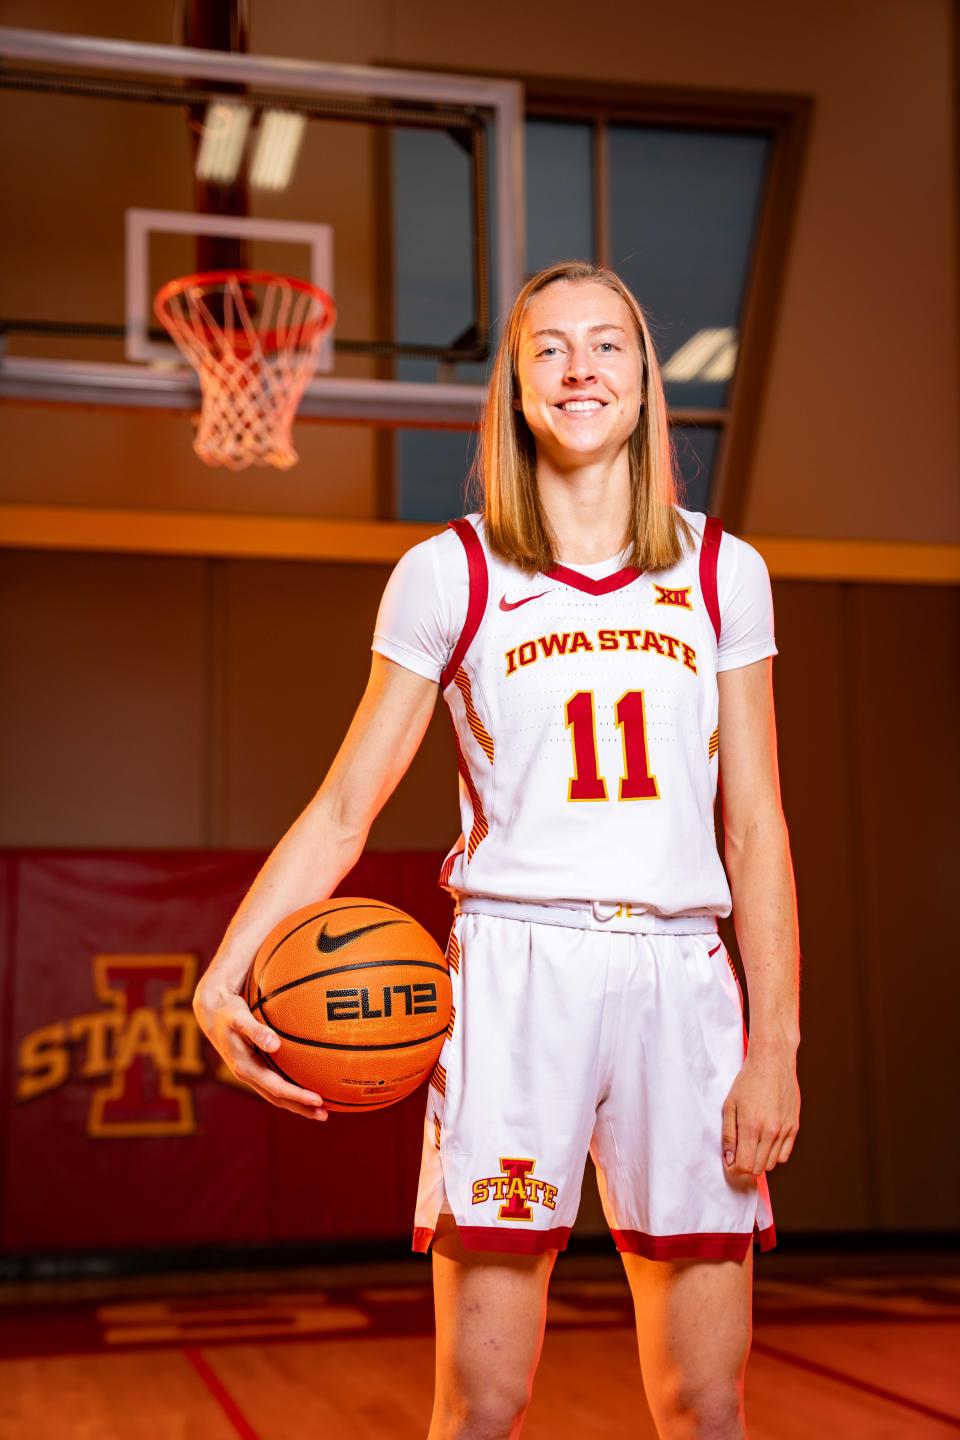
252, 338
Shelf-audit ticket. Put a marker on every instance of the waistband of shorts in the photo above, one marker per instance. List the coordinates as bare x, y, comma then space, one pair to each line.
589, 915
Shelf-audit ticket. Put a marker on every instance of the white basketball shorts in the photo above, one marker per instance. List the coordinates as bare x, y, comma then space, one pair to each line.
566, 1040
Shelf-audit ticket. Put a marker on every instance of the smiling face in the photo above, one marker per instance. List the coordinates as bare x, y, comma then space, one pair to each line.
579, 372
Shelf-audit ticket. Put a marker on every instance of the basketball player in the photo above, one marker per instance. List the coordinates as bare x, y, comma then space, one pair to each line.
604, 653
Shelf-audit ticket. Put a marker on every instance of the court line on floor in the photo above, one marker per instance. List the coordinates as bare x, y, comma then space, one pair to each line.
867, 1386
222, 1395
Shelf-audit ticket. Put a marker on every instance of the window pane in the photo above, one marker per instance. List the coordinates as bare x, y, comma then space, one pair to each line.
433, 301
432, 468
683, 211
433, 292
696, 447
559, 184
433, 287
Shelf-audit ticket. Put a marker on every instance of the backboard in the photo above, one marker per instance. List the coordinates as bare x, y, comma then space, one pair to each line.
138, 163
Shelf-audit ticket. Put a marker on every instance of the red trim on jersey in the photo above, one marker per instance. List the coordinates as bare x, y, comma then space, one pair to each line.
591, 586
477, 728
446, 869
707, 1245
492, 1237
709, 550
480, 827
477, 603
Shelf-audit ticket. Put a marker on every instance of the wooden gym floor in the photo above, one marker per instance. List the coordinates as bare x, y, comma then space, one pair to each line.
843, 1346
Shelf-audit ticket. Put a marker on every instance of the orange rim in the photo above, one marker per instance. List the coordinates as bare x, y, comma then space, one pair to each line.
207, 279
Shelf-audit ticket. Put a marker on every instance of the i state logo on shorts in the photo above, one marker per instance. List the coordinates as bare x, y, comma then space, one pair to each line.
516, 1189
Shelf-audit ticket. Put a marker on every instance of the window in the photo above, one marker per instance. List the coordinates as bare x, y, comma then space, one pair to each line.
672, 203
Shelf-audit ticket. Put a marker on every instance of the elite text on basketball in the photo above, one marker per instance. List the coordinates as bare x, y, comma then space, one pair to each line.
355, 1004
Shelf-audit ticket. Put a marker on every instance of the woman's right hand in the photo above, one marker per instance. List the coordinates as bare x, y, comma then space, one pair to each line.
321, 846
233, 1031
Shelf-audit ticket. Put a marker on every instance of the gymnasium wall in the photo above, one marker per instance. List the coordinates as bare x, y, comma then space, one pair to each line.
858, 434
191, 703
196, 704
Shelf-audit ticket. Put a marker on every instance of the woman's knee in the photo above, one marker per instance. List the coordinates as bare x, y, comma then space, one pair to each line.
490, 1311
493, 1410
699, 1410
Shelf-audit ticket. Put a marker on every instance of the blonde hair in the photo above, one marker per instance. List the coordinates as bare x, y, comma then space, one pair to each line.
505, 474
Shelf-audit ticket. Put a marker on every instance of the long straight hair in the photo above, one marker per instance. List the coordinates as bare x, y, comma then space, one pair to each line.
504, 477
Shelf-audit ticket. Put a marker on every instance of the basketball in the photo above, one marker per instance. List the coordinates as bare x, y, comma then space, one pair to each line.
359, 994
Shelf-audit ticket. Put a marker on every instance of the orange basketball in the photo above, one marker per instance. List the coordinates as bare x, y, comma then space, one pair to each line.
359, 994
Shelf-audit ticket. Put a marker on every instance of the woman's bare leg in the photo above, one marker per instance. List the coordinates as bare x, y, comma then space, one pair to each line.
490, 1311
694, 1330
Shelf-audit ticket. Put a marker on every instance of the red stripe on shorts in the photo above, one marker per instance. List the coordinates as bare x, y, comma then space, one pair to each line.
504, 1242
705, 1245
519, 1242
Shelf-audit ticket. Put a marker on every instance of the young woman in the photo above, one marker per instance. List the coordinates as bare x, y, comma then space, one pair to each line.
603, 652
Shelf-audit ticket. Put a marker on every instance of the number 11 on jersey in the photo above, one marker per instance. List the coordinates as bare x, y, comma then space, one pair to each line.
636, 782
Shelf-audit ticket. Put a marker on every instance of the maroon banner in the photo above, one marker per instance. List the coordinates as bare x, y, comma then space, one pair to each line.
121, 1127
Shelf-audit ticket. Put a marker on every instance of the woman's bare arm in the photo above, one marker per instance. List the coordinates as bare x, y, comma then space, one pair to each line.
762, 1113
307, 864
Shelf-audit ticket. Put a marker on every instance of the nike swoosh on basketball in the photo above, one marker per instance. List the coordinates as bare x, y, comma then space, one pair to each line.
326, 944
506, 604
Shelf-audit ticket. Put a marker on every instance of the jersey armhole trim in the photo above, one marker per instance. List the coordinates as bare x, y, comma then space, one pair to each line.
477, 602
709, 551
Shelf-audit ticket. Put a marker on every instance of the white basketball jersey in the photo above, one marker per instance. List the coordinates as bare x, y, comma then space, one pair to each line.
585, 714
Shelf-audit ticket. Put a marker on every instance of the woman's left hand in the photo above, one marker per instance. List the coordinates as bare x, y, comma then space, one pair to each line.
761, 1114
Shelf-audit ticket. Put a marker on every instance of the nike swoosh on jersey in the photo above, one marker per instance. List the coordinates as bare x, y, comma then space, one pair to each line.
506, 604
326, 944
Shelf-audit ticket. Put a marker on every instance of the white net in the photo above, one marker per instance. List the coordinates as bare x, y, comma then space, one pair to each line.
253, 340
